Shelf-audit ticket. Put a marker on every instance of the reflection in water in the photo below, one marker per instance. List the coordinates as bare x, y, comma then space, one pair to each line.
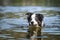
14, 22
27, 8
16, 25
51, 21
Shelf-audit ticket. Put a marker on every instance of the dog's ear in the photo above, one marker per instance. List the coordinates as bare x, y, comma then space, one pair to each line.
29, 13
41, 15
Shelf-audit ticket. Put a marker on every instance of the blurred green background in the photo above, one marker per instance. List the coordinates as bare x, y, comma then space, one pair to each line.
30, 2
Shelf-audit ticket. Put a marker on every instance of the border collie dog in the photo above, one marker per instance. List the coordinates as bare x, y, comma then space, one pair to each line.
35, 19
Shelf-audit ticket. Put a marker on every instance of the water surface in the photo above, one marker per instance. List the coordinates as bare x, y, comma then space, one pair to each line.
13, 21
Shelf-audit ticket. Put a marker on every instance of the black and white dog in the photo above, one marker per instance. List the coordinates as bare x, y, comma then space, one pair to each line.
35, 19
35, 22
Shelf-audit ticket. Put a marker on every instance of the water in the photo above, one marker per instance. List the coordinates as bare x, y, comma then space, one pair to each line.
15, 24
27, 8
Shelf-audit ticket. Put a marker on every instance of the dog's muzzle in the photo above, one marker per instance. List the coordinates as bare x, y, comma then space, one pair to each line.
32, 23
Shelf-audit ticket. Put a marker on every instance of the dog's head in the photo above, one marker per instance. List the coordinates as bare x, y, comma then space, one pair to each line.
34, 19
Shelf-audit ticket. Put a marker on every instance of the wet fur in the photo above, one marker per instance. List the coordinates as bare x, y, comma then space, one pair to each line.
33, 30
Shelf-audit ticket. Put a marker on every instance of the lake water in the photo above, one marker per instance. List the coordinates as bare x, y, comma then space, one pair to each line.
9, 21
27, 8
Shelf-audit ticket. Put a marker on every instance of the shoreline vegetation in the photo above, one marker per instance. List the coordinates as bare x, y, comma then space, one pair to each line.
30, 3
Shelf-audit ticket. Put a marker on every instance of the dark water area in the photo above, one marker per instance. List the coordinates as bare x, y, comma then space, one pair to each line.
14, 25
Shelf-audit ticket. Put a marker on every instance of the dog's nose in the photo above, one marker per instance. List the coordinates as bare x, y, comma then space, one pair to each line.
32, 23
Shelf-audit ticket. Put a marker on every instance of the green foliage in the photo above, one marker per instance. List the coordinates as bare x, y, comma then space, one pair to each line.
36, 2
